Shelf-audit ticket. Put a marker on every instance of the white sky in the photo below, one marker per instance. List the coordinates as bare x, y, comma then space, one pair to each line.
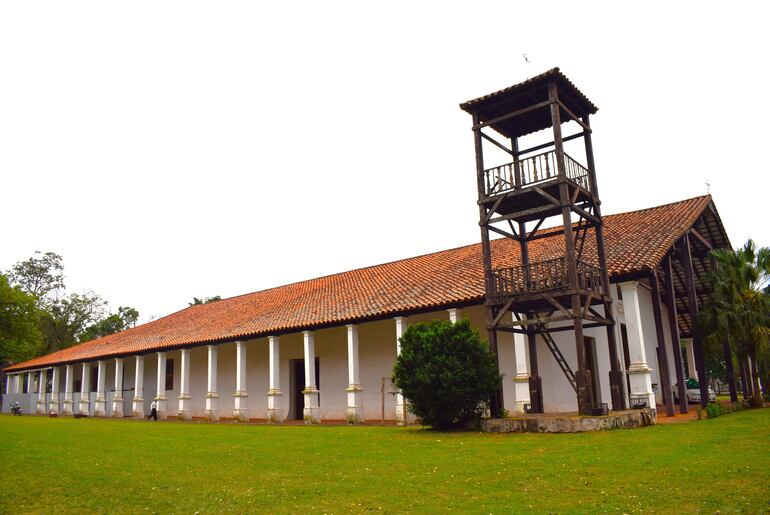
177, 149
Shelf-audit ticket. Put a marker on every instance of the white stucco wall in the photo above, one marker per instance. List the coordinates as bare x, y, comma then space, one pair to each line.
377, 353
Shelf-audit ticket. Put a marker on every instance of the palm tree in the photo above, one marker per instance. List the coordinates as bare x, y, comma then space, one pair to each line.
739, 310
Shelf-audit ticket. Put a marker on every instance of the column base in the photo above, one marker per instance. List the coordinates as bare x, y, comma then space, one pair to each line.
355, 411
640, 381
275, 415
117, 407
212, 413
241, 415
520, 392
311, 413
67, 409
241, 412
274, 409
100, 407
137, 407
83, 407
54, 408
184, 412
40, 408
355, 415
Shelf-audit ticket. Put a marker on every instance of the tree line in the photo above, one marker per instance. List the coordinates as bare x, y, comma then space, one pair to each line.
737, 317
39, 316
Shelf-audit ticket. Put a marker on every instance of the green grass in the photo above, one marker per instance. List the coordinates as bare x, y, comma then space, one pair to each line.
112, 465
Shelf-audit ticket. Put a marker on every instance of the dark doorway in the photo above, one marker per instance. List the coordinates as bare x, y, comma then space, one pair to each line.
297, 385
592, 367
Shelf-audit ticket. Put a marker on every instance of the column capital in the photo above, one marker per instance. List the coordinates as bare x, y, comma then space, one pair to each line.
628, 285
351, 326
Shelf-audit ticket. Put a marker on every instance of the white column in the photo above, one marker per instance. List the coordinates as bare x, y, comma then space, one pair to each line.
274, 408
454, 315
241, 411
137, 404
17, 381
85, 386
41, 391
312, 412
69, 377
184, 412
117, 401
100, 405
355, 411
30, 391
54, 407
691, 368
212, 413
402, 415
160, 390
638, 371
8, 383
618, 311
521, 373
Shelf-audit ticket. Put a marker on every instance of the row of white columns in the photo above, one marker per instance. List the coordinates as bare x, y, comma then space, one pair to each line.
275, 413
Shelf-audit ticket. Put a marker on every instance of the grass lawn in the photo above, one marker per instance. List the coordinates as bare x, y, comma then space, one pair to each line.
113, 465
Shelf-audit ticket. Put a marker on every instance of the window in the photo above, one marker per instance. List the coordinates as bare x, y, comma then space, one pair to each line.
94, 379
169, 374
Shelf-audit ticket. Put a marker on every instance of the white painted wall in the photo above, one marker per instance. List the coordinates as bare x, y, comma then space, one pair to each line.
377, 349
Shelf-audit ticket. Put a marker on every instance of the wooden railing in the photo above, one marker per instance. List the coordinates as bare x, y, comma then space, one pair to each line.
533, 170
542, 276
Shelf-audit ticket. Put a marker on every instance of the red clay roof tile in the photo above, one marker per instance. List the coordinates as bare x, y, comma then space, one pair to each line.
635, 241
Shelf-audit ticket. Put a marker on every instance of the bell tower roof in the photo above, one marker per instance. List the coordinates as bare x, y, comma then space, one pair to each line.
526, 95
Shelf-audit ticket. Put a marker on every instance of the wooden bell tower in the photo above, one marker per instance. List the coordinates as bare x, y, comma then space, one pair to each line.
536, 192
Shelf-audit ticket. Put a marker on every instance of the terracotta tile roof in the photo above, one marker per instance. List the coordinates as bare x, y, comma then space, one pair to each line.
635, 241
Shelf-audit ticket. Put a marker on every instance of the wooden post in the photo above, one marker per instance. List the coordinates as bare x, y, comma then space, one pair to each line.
486, 252
535, 382
665, 383
616, 375
583, 392
674, 330
692, 305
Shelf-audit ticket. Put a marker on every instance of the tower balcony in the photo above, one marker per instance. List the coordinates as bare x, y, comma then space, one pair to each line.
541, 277
537, 170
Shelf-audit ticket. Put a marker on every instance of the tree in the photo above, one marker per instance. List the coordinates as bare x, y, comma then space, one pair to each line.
125, 318
445, 371
20, 338
204, 300
41, 276
67, 319
739, 309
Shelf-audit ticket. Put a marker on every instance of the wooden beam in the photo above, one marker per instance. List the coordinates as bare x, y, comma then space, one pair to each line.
673, 328
550, 144
574, 117
663, 373
703, 241
496, 143
478, 126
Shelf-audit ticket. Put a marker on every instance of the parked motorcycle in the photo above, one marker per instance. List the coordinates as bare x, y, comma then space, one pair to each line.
16, 409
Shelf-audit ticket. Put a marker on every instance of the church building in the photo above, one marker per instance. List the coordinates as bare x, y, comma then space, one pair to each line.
585, 311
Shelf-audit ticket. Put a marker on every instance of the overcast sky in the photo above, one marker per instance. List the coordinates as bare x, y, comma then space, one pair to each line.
176, 149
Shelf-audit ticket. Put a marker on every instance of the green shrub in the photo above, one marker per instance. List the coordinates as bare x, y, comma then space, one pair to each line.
447, 374
713, 410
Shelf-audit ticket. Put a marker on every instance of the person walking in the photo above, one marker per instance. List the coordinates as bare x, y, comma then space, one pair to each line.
153, 411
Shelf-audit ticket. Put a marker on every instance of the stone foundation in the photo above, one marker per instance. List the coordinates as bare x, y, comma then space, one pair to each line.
569, 423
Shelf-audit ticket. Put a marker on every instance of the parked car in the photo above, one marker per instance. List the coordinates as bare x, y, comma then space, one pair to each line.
693, 392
